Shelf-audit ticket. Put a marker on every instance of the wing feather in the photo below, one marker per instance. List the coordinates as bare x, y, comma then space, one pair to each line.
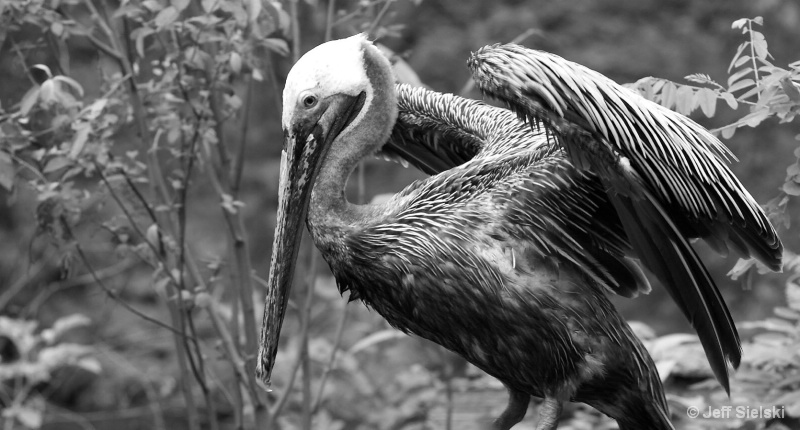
678, 160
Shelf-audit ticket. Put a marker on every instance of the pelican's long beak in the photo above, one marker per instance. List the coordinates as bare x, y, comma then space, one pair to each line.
307, 141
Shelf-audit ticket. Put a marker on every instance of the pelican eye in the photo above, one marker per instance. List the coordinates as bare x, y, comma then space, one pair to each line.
308, 101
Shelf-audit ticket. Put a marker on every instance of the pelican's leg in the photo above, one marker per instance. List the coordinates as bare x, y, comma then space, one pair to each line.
549, 413
515, 411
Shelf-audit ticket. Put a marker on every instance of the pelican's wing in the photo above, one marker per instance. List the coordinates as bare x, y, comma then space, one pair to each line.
435, 132
666, 175
633, 144
536, 203
563, 214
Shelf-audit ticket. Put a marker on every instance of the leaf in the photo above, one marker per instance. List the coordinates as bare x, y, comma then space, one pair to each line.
738, 75
770, 324
739, 23
730, 99
751, 92
210, 5
743, 59
92, 111
760, 45
657, 84
90, 364
167, 16
277, 45
56, 163
739, 51
790, 89
79, 141
128, 11
138, 36
793, 170
727, 132
63, 325
253, 9
57, 28
761, 49
6, 171
791, 188
30, 417
668, 95
741, 267
230, 205
700, 78
152, 5
197, 58
744, 83
789, 314
235, 63
684, 100
793, 295
708, 101
29, 100
180, 4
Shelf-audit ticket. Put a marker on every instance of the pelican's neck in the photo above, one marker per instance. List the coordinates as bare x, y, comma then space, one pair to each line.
329, 207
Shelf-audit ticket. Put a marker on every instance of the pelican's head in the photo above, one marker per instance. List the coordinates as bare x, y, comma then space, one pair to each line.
328, 94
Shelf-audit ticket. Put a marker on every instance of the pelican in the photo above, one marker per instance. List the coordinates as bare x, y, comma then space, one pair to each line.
532, 216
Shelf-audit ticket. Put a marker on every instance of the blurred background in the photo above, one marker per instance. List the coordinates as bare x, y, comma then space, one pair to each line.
95, 250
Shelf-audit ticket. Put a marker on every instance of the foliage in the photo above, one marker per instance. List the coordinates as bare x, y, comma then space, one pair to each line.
769, 372
30, 358
171, 75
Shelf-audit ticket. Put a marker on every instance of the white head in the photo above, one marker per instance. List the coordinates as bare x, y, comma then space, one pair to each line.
333, 67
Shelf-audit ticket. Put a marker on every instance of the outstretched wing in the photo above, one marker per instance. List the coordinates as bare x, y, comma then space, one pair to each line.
605, 127
666, 176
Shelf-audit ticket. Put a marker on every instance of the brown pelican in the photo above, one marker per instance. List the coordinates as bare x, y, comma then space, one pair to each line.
532, 216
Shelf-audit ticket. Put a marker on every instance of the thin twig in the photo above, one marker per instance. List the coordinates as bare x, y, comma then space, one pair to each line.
104, 273
329, 20
374, 25
231, 350
20, 284
238, 161
295, 24
181, 350
753, 54
22, 60
114, 296
331, 359
303, 356
356, 12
